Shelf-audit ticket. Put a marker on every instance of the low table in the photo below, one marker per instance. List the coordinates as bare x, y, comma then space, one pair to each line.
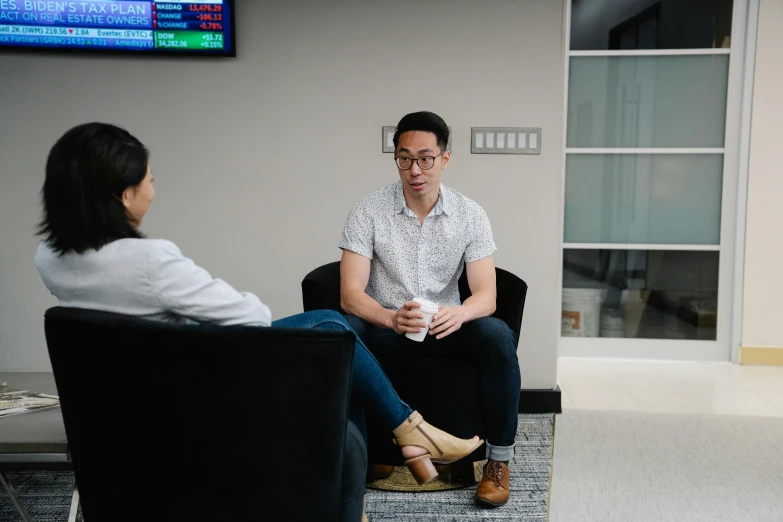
33, 440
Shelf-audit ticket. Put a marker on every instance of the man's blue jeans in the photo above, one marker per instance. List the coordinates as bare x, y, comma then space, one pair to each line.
372, 392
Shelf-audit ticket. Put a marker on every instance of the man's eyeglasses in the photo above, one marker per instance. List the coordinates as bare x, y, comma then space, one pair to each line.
424, 162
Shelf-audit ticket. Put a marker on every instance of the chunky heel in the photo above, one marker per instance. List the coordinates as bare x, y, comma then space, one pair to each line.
422, 469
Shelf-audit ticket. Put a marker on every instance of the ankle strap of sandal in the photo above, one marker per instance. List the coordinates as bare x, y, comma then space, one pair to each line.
408, 425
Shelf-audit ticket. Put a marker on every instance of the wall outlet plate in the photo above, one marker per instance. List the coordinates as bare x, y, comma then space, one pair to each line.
505, 140
387, 138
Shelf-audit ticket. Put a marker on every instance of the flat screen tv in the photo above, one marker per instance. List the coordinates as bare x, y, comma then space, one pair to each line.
204, 27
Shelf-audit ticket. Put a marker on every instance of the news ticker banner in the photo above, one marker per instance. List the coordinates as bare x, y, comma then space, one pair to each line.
137, 25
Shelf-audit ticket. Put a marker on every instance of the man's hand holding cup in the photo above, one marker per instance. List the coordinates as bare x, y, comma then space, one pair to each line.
414, 318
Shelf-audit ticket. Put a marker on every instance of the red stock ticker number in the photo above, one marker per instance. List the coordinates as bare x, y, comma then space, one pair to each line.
209, 8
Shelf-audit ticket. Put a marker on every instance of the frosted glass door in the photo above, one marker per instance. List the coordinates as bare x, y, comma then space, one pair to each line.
647, 101
643, 198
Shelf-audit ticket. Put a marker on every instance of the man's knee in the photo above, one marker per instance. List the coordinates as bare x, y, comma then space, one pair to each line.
495, 335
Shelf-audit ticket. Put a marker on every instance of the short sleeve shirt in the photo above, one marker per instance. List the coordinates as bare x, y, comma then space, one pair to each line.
410, 259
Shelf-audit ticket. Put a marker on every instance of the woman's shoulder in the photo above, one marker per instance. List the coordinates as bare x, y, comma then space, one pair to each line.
151, 249
162, 246
141, 244
154, 251
148, 258
127, 243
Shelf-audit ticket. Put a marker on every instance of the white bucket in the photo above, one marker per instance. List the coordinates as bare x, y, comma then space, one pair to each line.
612, 323
581, 312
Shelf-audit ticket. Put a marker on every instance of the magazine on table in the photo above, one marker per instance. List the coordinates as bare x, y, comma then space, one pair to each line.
13, 401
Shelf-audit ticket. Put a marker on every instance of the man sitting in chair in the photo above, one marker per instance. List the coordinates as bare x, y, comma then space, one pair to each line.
410, 240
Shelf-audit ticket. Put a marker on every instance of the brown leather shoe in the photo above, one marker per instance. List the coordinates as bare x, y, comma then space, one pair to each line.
378, 471
492, 491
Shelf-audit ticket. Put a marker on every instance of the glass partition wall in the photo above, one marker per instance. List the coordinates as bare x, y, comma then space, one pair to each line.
648, 202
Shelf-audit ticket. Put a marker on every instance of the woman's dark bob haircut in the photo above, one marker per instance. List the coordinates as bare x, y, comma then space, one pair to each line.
87, 171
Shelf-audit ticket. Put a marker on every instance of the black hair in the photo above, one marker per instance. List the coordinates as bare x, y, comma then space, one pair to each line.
423, 121
87, 171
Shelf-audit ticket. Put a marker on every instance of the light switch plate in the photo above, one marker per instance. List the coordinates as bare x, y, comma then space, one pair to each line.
387, 139
505, 140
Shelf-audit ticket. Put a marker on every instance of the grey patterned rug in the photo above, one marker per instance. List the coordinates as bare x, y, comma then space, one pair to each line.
529, 486
47, 494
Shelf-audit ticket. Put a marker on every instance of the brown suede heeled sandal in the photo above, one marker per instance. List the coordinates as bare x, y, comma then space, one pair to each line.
442, 447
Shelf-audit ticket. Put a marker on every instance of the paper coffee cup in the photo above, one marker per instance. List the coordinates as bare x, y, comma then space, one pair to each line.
428, 309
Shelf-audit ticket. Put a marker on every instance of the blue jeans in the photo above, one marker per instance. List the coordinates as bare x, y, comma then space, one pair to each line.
372, 391
486, 342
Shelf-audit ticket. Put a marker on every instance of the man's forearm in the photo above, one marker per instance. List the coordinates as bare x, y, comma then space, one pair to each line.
479, 305
362, 305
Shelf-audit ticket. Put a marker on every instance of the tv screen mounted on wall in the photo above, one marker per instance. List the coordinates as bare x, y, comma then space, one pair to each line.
190, 28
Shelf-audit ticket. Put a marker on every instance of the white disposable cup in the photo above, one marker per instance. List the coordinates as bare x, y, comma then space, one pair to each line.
427, 309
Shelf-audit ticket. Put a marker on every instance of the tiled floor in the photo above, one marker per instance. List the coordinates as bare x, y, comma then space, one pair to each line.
671, 387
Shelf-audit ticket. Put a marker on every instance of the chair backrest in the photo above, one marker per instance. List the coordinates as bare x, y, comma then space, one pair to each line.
321, 290
201, 423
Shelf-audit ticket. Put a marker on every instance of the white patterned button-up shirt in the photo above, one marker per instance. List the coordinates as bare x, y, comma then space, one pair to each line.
410, 259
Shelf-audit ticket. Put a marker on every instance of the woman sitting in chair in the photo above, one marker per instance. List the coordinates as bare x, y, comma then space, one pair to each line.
97, 190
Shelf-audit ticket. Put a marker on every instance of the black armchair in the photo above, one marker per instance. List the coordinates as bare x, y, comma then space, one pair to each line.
447, 393
201, 423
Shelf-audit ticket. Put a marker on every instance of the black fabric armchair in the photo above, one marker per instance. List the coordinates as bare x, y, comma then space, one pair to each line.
202, 423
447, 393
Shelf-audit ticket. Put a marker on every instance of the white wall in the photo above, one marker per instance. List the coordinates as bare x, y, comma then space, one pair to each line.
258, 159
763, 244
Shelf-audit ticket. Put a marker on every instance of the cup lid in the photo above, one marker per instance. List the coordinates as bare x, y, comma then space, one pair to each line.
426, 305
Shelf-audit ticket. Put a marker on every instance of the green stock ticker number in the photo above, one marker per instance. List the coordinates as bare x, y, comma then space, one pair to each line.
188, 40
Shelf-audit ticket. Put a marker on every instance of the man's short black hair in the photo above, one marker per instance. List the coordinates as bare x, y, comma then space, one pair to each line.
423, 121
87, 171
